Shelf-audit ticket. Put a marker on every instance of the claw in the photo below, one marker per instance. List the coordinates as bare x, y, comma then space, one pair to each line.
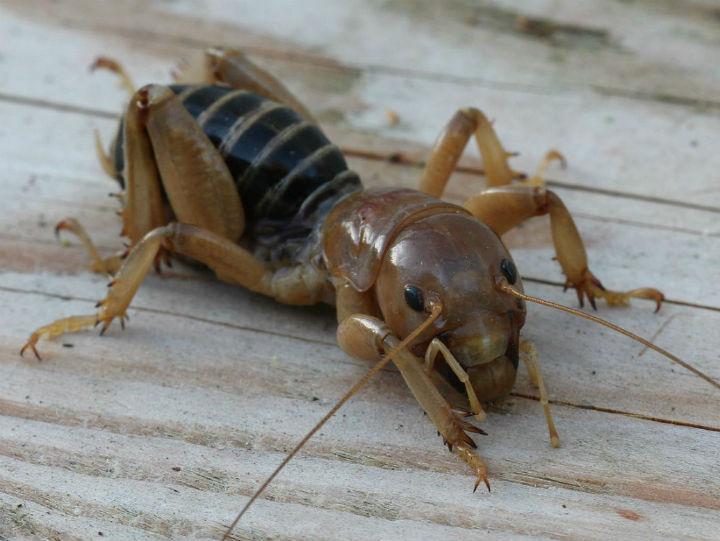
70, 224
68, 324
34, 337
467, 427
107, 319
592, 288
477, 483
463, 413
112, 65
579, 293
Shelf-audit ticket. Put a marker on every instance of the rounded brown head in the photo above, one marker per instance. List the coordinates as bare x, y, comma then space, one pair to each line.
456, 260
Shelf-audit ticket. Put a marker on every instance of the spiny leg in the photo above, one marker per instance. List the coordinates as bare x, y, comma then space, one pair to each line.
529, 355
158, 130
367, 337
435, 347
223, 256
233, 68
144, 209
505, 207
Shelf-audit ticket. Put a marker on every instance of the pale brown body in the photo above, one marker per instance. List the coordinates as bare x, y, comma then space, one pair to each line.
386, 259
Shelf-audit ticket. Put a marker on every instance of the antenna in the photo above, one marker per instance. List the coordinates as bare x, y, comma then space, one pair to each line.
507, 288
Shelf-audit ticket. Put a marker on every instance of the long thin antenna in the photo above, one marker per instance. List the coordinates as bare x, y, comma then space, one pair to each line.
436, 310
507, 288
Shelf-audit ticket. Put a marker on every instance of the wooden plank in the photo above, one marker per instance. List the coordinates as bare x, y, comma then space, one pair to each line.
631, 150
133, 417
621, 48
164, 430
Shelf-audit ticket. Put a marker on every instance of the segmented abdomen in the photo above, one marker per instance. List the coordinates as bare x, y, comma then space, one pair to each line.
287, 172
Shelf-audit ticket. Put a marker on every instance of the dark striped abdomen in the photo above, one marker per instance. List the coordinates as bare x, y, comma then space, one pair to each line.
286, 170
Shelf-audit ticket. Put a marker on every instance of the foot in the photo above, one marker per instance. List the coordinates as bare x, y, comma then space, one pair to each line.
56, 328
114, 305
539, 178
591, 287
108, 266
457, 439
475, 463
114, 66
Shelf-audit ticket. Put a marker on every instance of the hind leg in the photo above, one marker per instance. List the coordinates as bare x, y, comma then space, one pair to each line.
163, 143
223, 256
144, 208
232, 263
170, 145
162, 139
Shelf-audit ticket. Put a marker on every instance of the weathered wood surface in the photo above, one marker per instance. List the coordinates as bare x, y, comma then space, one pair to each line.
164, 430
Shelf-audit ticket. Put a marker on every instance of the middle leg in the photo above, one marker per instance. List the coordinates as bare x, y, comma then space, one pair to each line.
451, 143
504, 208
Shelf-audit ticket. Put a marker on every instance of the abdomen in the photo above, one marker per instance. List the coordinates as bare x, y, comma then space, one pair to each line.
287, 173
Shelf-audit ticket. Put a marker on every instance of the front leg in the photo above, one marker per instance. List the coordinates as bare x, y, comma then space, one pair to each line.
369, 338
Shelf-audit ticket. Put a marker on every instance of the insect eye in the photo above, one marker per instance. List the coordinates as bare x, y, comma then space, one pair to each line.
509, 270
414, 298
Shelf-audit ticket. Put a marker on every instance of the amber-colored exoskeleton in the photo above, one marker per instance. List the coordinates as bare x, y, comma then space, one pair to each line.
227, 168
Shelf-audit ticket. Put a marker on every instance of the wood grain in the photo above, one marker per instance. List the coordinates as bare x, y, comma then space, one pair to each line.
164, 430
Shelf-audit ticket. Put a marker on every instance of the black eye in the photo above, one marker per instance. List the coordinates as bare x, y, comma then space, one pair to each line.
414, 298
509, 270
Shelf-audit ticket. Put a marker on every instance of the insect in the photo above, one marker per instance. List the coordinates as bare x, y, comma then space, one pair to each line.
227, 168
